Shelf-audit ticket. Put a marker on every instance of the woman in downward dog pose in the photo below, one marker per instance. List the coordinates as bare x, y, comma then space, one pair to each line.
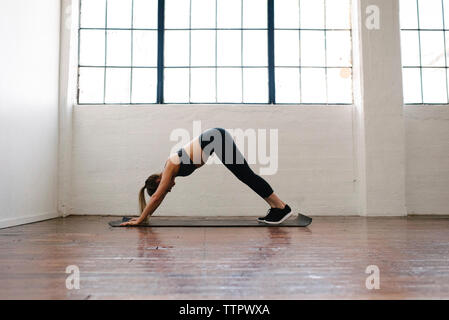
192, 156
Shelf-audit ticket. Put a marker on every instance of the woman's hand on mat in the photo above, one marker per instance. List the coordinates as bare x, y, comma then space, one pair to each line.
132, 222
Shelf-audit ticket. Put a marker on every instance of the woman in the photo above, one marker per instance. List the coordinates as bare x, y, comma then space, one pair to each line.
194, 155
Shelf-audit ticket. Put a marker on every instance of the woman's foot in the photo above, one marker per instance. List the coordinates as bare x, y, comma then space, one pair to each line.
276, 215
262, 219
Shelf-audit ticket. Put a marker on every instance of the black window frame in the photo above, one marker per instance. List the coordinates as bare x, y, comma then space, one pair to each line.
160, 61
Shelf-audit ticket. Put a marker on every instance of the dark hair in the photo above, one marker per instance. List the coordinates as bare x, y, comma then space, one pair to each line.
151, 185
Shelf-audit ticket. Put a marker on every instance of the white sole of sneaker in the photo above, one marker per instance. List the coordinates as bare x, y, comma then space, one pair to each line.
280, 221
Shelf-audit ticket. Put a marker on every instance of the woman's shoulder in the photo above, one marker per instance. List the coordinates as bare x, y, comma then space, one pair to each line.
173, 159
172, 164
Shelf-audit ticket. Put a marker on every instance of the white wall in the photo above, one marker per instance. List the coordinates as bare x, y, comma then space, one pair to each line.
116, 148
380, 122
427, 159
68, 78
29, 62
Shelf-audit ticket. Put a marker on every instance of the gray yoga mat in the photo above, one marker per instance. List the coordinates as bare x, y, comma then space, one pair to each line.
297, 221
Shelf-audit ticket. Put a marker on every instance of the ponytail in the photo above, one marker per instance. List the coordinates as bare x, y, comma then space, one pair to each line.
151, 185
142, 202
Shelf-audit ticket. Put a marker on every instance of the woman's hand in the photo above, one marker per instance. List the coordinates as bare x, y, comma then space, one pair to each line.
132, 222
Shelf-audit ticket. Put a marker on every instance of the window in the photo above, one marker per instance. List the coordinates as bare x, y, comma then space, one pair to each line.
313, 51
215, 51
424, 39
117, 51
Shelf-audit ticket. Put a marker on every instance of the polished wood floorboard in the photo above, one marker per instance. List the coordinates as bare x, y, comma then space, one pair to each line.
326, 260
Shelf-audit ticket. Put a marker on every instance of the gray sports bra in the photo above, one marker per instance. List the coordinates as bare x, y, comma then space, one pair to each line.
186, 167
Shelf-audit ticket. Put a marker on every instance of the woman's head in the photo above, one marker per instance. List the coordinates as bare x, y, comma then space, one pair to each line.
151, 185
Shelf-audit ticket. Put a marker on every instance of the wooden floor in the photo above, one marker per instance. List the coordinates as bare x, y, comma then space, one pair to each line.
326, 260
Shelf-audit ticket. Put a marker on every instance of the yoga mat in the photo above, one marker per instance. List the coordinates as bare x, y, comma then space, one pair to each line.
296, 221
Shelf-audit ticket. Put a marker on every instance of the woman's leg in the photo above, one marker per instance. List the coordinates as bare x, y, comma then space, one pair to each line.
274, 201
221, 142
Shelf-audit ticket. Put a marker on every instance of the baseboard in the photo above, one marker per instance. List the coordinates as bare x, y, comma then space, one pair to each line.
11, 222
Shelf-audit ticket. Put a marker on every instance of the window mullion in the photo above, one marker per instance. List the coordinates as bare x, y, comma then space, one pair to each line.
105, 51
271, 78
160, 51
132, 54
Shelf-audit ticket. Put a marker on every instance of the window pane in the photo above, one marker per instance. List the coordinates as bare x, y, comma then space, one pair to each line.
411, 79
177, 13
176, 85
338, 14
176, 52
430, 14
409, 14
313, 85
255, 85
203, 85
339, 85
312, 14
286, 47
229, 48
229, 85
91, 85
410, 48
92, 47
203, 48
432, 48
145, 48
145, 14
338, 48
203, 14
287, 85
144, 85
119, 48
119, 13
286, 14
93, 13
312, 48
255, 13
434, 85
229, 14
255, 48
117, 85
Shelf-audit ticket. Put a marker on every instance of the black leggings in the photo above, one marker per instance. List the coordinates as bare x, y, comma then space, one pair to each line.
218, 140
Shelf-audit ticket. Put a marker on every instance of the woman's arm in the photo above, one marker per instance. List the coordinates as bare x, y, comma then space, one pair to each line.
156, 199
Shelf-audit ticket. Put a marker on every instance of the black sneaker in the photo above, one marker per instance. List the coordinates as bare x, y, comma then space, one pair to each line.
262, 219
277, 216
